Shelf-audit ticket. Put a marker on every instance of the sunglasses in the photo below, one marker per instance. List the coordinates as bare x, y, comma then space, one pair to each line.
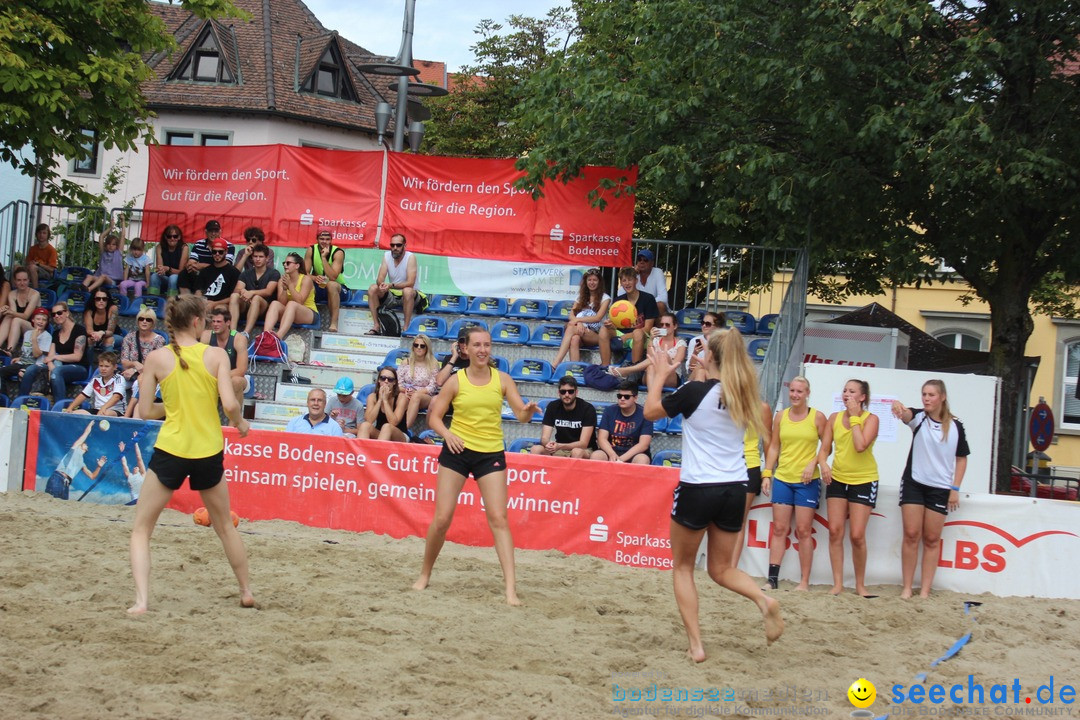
218, 252
707, 323
666, 325
419, 346
173, 236
289, 262
397, 244
567, 391
99, 298
149, 320
623, 396
385, 378
58, 313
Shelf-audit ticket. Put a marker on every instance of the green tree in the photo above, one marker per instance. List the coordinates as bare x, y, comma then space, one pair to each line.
69, 66
476, 119
884, 134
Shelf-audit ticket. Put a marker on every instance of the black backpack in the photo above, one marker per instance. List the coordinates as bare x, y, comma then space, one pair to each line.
389, 324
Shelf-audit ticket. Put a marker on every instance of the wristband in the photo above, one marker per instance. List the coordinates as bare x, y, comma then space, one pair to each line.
766, 474
854, 421
955, 487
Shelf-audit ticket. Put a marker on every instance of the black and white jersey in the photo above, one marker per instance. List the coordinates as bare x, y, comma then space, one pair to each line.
712, 442
931, 459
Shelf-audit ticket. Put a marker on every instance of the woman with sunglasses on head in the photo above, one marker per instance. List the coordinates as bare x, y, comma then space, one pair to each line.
586, 315
384, 415
417, 375
295, 299
17, 310
666, 340
67, 358
172, 258
139, 344
695, 349
474, 446
709, 500
100, 318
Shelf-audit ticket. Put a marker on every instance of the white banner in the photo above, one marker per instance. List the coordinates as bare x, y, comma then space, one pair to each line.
6, 423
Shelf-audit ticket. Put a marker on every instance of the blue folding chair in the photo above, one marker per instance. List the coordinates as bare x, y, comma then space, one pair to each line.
531, 370
356, 299
510, 332
363, 393
31, 402
62, 405
462, 323
487, 306
690, 318
570, 367
659, 426
394, 358
766, 325
560, 310
431, 437
4, 401
48, 298
757, 349
674, 426
538, 416
522, 445
744, 322
547, 335
430, 325
501, 363
75, 299
528, 309
447, 304
668, 458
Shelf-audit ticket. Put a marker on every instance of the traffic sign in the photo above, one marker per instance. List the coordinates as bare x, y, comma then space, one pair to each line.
1041, 428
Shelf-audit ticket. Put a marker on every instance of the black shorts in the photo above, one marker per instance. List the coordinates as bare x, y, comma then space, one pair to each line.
864, 494
469, 462
931, 498
204, 473
722, 504
753, 481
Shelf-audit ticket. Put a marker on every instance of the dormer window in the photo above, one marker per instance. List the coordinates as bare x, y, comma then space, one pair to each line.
204, 62
330, 78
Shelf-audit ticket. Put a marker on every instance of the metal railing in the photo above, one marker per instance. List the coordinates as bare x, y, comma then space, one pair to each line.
14, 231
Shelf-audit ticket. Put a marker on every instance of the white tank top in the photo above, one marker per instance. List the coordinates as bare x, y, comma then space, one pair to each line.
397, 272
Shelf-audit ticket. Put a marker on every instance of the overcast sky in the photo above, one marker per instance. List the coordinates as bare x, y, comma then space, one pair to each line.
445, 29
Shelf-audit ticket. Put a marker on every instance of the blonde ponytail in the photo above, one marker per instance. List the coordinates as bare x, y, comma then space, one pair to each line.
738, 379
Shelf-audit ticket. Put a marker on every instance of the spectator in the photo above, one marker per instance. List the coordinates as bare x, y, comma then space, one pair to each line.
646, 317
256, 288
136, 269
172, 261
5, 287
41, 258
624, 434
418, 377
385, 411
66, 360
324, 262
586, 315
106, 390
295, 299
201, 256
571, 419
137, 345
457, 360
651, 279
397, 277
235, 346
666, 340
110, 272
315, 421
695, 354
16, 310
100, 320
35, 346
217, 281
244, 259
344, 408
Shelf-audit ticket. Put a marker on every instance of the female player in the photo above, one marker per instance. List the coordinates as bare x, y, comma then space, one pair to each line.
190, 445
475, 446
710, 498
851, 484
930, 487
796, 432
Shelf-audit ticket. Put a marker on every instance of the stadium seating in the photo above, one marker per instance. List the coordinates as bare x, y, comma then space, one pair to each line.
130, 307
356, 299
674, 426
447, 304
531, 370
526, 309
75, 299
547, 334
30, 402
668, 458
395, 357
510, 332
430, 325
570, 367
73, 275
744, 322
522, 445
501, 363
62, 405
48, 298
431, 437
560, 310
363, 392
690, 318
538, 416
660, 425
757, 349
767, 324
461, 324
487, 307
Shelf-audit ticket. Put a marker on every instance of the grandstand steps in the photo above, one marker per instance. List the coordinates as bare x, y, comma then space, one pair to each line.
344, 361
351, 321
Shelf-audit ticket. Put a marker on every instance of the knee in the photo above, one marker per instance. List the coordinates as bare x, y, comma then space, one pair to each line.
858, 539
912, 536
537, 449
781, 529
408, 293
803, 532
496, 518
931, 542
575, 340
836, 534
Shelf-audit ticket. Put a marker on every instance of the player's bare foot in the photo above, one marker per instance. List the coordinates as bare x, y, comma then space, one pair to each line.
137, 609
512, 598
247, 600
770, 585
905, 594
836, 589
774, 623
421, 583
924, 593
802, 587
697, 654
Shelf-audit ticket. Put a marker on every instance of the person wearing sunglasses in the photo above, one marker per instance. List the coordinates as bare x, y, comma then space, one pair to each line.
624, 434
218, 280
172, 258
586, 315
709, 500
474, 446
664, 338
100, 319
67, 358
568, 425
138, 345
417, 375
695, 354
384, 415
316, 421
295, 299
253, 236
396, 277
202, 256
325, 262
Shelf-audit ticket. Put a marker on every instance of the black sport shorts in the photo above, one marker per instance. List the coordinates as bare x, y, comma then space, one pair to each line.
931, 498
722, 504
204, 473
469, 462
864, 494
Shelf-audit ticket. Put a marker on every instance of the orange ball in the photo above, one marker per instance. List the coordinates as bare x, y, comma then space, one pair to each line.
235, 518
201, 517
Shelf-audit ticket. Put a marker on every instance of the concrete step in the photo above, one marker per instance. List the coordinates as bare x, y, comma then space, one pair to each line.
295, 393
265, 425
327, 376
367, 344
273, 411
346, 361
353, 321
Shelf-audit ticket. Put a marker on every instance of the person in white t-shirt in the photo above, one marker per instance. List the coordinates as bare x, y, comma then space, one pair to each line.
651, 278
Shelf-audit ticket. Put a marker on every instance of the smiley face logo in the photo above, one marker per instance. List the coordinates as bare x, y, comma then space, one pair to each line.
862, 693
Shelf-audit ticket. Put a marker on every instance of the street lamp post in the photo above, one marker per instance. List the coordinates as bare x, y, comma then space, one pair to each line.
407, 115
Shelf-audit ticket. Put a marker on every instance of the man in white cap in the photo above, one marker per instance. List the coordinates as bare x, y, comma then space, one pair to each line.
651, 279
344, 407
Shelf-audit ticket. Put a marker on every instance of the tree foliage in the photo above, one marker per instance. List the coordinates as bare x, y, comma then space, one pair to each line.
884, 134
72, 65
477, 118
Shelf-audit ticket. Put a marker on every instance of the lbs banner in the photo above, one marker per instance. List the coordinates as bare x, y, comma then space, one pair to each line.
447, 206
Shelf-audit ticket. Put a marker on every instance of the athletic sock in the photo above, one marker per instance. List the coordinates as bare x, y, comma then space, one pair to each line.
774, 576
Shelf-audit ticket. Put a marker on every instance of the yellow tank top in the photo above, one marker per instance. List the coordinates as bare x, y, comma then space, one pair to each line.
752, 448
798, 446
192, 427
309, 301
478, 413
849, 466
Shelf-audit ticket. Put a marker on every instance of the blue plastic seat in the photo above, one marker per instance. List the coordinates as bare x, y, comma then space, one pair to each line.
522, 445
757, 349
432, 437
690, 318
395, 357
153, 302
560, 310
674, 426
659, 426
744, 322
487, 306
75, 299
510, 332
528, 309
547, 334
62, 405
668, 458
531, 370
30, 402
356, 299
570, 367
447, 304
507, 413
429, 325
363, 392
767, 324
601, 407
501, 363
73, 275
462, 323
538, 416
48, 298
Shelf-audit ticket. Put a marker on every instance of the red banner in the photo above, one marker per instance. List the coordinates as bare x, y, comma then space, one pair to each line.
447, 206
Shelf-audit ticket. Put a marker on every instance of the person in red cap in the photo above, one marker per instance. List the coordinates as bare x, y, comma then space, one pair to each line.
201, 258
217, 281
35, 346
